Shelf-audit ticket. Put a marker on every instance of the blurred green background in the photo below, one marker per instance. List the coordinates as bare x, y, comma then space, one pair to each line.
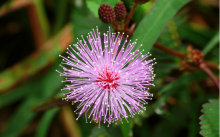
34, 32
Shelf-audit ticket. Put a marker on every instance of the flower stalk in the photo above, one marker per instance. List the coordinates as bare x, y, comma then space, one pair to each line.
127, 21
204, 67
170, 51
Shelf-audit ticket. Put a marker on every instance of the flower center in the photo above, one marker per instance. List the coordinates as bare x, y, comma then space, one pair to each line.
108, 79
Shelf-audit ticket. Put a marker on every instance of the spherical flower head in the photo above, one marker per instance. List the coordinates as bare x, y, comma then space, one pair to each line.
120, 11
194, 57
108, 80
106, 13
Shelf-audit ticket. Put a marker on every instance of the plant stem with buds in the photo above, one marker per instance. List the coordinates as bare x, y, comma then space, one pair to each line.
182, 56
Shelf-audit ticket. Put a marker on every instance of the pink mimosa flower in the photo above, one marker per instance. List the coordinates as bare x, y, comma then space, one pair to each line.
108, 80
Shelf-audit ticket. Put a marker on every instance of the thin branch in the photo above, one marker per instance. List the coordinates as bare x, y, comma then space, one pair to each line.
52, 103
182, 56
173, 52
127, 21
211, 66
209, 73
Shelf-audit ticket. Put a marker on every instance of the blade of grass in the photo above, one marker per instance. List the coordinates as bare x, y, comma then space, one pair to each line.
213, 42
45, 122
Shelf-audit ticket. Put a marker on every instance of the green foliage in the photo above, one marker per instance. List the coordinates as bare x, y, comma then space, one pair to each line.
155, 21
214, 41
192, 35
210, 119
174, 109
125, 127
15, 95
170, 89
40, 92
45, 122
9, 77
188, 78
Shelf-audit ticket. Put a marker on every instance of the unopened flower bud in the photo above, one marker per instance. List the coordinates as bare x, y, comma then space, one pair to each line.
120, 11
106, 13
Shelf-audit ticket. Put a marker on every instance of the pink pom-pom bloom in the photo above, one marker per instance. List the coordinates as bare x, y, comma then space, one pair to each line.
108, 81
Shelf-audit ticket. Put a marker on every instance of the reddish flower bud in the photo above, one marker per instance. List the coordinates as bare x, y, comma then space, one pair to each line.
106, 13
120, 11
194, 57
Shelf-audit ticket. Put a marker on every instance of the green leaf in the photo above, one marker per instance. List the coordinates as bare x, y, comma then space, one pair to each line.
209, 132
94, 5
125, 127
209, 105
214, 101
210, 110
210, 119
210, 126
154, 22
214, 41
208, 116
45, 122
